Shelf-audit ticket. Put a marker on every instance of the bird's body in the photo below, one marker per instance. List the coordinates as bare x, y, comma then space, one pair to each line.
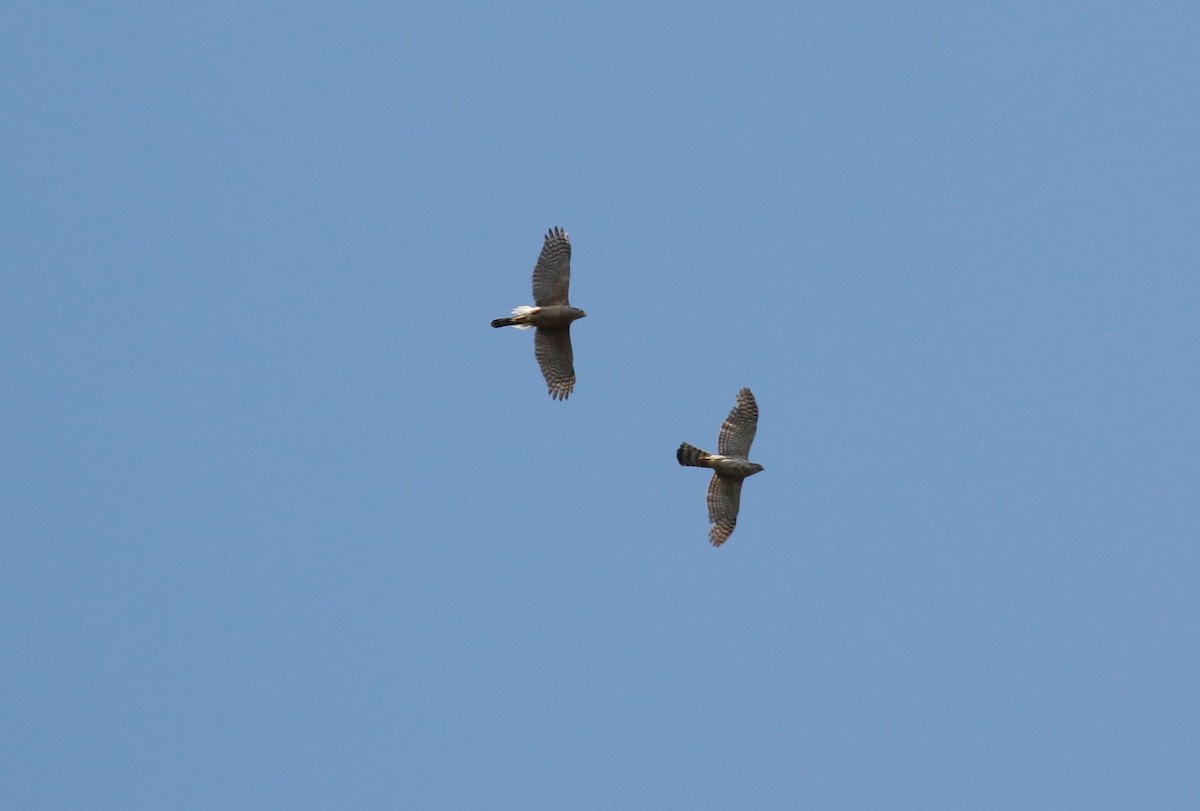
691, 456
551, 314
555, 315
731, 466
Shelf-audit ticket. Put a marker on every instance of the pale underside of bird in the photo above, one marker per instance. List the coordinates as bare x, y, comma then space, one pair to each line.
730, 465
551, 314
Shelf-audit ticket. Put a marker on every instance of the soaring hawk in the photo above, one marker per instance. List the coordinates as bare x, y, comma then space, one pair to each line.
730, 465
552, 314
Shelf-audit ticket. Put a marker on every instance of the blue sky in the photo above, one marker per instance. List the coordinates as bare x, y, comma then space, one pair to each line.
287, 525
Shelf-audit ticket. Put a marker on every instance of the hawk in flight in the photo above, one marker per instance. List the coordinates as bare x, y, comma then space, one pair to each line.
730, 465
552, 314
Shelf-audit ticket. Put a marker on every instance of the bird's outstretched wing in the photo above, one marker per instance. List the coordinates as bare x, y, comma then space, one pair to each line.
724, 498
552, 345
737, 432
552, 274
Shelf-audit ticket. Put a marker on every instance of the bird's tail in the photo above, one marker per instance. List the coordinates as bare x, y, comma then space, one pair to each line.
691, 456
520, 314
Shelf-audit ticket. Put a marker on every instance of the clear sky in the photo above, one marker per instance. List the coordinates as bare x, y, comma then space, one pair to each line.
287, 525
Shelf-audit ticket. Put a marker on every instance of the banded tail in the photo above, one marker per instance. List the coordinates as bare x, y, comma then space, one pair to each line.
691, 456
